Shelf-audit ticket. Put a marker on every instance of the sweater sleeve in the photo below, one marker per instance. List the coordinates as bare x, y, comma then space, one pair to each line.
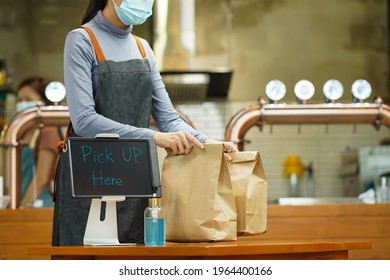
166, 117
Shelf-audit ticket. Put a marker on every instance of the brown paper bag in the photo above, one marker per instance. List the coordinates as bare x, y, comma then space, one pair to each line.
198, 196
250, 191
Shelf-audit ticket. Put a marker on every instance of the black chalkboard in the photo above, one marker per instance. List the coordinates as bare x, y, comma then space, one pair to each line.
113, 167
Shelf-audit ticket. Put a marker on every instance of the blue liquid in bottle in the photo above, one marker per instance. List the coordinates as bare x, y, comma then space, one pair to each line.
154, 231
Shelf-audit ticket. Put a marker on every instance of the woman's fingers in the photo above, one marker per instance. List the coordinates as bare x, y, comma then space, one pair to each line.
227, 157
181, 143
230, 147
177, 143
193, 141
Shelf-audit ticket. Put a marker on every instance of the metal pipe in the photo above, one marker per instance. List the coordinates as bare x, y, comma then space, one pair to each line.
334, 113
14, 131
10, 143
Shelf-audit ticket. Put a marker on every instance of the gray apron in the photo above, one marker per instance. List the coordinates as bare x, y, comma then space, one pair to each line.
124, 94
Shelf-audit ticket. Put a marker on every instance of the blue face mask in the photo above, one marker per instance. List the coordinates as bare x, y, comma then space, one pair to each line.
134, 12
24, 105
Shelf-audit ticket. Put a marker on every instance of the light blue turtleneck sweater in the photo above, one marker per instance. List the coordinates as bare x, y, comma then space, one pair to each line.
81, 76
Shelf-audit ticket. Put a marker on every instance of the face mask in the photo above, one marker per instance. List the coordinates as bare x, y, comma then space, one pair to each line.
23, 105
134, 12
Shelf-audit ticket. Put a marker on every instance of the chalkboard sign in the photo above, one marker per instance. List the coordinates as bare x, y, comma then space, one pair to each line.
113, 167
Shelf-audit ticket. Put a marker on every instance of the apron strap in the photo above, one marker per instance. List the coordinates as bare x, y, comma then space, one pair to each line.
140, 46
96, 46
98, 50
61, 145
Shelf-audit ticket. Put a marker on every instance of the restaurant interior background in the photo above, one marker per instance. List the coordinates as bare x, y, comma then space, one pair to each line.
259, 41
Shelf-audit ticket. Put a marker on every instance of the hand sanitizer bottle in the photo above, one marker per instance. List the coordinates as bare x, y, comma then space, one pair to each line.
154, 223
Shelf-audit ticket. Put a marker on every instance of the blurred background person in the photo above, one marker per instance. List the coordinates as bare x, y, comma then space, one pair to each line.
39, 153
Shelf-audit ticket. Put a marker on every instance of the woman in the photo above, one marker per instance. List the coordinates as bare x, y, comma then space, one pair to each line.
113, 86
39, 154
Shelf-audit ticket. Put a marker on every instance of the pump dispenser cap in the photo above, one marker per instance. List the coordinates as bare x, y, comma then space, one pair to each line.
154, 201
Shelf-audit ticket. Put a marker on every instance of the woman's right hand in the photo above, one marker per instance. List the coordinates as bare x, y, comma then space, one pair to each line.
177, 143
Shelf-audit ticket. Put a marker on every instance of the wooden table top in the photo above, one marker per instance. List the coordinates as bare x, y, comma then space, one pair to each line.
247, 249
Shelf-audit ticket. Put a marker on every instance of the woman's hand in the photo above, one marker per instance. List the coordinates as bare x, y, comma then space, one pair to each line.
181, 143
177, 143
229, 147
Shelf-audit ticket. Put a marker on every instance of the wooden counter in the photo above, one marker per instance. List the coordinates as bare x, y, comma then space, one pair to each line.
333, 222
21, 229
242, 249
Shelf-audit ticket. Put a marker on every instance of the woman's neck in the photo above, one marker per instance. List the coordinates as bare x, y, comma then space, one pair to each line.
110, 14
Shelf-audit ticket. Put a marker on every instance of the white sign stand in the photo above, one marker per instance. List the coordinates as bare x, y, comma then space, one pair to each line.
103, 232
